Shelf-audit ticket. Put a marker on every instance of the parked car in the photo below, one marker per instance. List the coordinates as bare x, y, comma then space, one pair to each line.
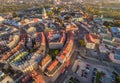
87, 66
94, 71
83, 73
93, 79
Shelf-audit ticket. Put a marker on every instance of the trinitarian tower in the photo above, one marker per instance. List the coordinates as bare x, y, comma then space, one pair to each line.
44, 14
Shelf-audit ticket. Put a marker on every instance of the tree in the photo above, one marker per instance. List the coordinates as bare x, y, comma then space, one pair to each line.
118, 79
14, 14
56, 52
106, 23
109, 27
50, 13
82, 43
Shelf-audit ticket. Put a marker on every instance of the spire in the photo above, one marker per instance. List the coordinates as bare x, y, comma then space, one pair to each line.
44, 14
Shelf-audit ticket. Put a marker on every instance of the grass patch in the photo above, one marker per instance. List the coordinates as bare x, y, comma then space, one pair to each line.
53, 53
118, 79
73, 80
98, 76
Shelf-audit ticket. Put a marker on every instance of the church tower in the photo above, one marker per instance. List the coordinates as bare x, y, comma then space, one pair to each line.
44, 14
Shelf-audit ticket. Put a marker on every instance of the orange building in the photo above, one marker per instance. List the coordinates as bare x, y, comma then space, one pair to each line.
56, 39
64, 55
37, 77
52, 65
72, 27
45, 62
91, 38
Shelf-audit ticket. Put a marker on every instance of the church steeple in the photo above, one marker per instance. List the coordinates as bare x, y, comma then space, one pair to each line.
44, 14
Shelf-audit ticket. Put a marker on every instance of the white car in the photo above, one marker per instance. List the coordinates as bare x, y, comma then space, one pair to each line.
87, 70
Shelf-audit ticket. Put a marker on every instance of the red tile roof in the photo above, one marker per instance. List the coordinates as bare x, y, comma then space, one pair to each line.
88, 39
94, 36
52, 65
62, 57
67, 46
37, 77
91, 38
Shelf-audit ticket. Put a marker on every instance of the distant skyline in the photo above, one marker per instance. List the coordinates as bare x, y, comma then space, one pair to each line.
102, 0
33, 1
